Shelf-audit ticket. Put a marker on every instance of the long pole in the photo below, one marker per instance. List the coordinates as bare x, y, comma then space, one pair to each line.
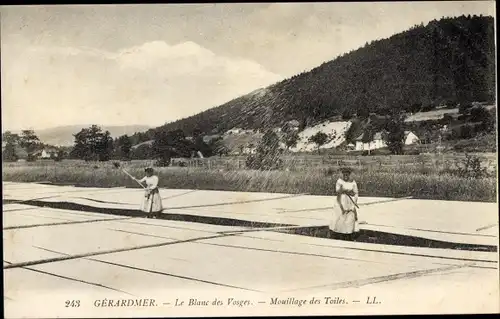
352, 200
133, 178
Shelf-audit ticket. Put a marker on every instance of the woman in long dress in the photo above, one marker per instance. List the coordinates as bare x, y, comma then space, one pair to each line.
344, 224
152, 201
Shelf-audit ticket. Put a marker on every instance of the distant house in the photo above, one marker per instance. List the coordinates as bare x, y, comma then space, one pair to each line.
292, 125
234, 130
208, 138
378, 141
46, 153
249, 150
411, 138
243, 150
197, 154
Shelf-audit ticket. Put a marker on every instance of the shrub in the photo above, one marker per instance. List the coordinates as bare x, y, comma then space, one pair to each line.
446, 119
330, 171
412, 152
428, 108
466, 131
9, 153
347, 115
415, 107
263, 162
31, 158
464, 108
163, 162
268, 153
451, 104
471, 167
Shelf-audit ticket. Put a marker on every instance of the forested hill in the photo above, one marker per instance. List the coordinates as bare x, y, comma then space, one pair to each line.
447, 61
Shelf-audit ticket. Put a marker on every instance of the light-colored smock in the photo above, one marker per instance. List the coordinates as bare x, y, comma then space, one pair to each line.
152, 200
344, 217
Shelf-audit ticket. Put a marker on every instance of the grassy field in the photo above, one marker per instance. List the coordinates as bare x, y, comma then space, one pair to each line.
402, 163
418, 181
437, 114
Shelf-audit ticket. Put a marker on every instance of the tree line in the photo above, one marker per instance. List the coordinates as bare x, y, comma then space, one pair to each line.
27, 141
94, 144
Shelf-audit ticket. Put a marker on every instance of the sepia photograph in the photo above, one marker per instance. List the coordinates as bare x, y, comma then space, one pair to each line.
249, 159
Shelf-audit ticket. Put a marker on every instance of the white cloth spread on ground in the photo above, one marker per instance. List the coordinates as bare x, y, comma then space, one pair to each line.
152, 200
344, 216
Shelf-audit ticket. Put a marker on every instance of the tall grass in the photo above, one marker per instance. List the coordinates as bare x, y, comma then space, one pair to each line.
423, 183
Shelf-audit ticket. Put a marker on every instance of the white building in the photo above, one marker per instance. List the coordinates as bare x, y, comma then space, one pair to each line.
46, 153
378, 141
249, 150
243, 150
209, 138
411, 138
375, 143
292, 125
234, 130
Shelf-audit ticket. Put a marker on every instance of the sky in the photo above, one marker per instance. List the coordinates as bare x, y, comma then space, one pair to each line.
150, 64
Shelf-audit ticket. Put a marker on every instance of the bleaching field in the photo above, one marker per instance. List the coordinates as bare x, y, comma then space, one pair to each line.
68, 249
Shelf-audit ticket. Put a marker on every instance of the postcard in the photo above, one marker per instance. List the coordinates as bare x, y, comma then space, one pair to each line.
249, 159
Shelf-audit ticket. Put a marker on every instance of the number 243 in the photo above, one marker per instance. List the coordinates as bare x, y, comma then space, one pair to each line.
72, 303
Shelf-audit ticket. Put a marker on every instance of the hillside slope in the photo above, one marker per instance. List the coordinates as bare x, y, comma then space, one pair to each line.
445, 61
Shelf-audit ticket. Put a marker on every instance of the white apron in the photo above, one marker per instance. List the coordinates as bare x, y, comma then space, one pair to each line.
344, 215
152, 201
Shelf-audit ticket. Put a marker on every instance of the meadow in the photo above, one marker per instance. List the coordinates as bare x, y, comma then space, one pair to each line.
443, 182
438, 114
